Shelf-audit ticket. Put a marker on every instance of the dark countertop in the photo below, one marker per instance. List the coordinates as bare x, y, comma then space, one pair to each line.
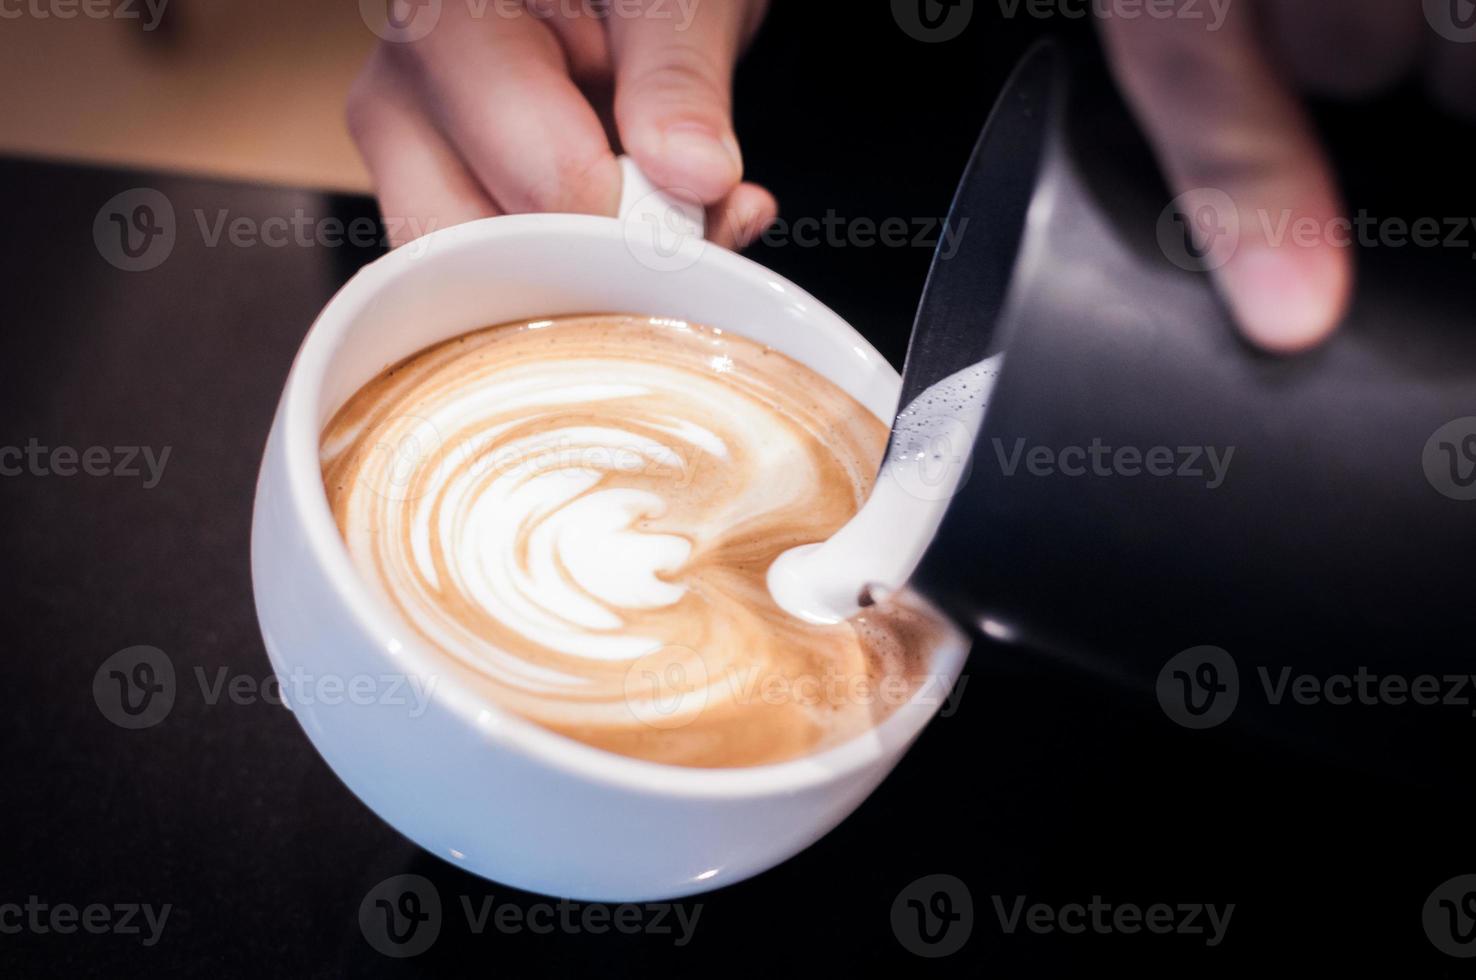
1046, 783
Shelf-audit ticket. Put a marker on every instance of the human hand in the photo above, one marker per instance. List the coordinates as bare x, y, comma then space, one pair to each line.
522, 107
1221, 109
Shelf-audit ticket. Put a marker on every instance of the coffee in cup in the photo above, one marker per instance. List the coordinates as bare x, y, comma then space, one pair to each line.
578, 514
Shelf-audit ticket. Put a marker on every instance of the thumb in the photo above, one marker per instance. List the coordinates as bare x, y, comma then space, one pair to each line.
673, 92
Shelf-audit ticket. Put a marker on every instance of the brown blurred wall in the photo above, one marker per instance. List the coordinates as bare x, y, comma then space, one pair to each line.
242, 88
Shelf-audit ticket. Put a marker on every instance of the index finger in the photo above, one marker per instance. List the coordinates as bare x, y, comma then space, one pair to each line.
1222, 120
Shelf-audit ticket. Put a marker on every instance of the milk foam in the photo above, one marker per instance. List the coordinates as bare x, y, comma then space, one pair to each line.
580, 515
928, 462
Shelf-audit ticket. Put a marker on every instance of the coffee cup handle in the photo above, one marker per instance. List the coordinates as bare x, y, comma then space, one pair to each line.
668, 209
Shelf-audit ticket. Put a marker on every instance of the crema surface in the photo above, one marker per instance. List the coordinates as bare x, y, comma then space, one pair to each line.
579, 514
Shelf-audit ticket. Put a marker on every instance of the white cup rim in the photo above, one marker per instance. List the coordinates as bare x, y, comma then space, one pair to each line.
301, 441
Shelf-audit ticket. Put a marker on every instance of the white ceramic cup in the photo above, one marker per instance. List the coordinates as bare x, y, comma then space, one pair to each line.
461, 777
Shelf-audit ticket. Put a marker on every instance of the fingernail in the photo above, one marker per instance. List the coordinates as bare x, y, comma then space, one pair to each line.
698, 149
1286, 299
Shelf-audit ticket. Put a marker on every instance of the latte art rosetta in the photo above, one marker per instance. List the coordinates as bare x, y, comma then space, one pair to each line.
579, 514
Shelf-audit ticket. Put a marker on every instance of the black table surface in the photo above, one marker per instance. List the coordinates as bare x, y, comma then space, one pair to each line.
1045, 785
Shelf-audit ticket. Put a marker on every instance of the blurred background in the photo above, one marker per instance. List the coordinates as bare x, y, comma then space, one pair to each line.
251, 90
846, 116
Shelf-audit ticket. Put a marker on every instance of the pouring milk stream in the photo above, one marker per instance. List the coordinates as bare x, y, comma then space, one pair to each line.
878, 549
